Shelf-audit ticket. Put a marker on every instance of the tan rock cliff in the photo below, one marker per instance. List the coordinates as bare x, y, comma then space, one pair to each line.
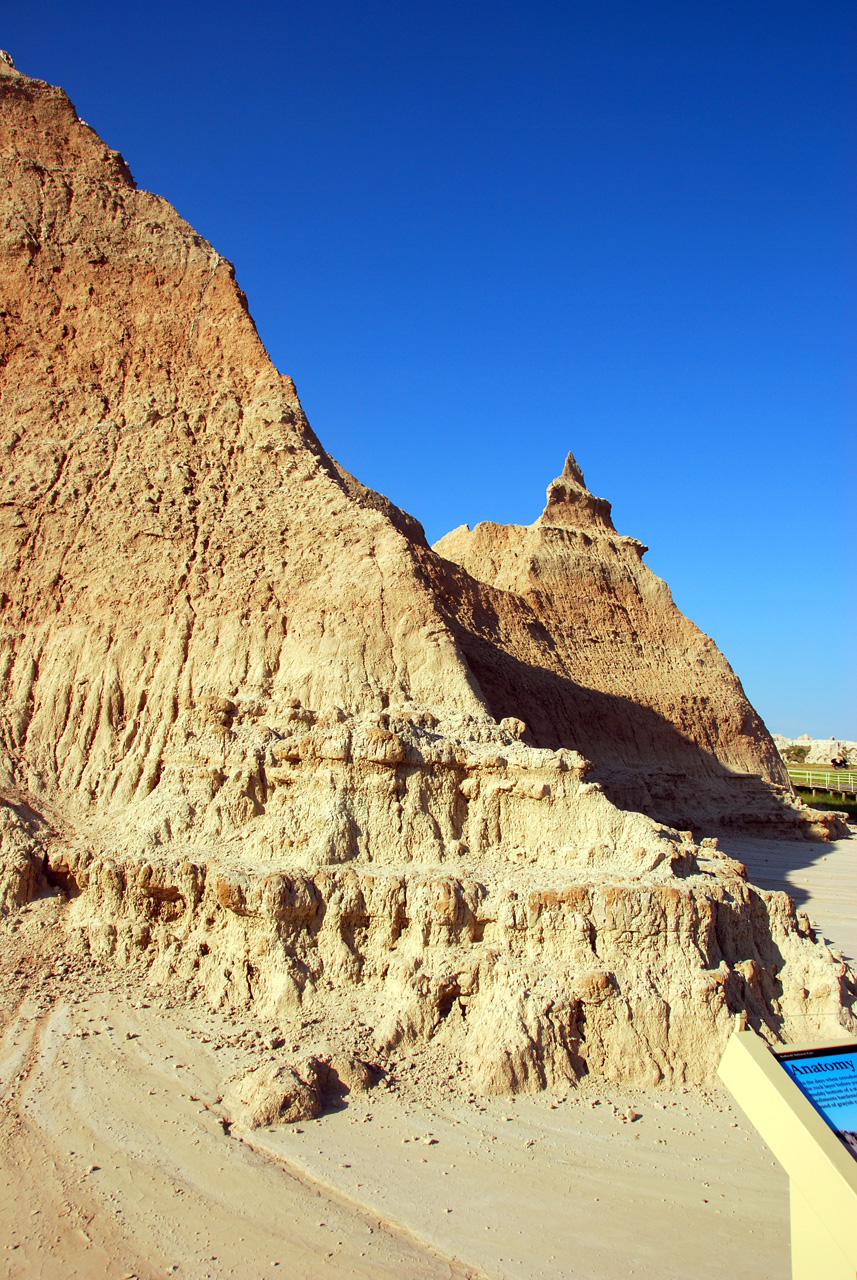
271, 747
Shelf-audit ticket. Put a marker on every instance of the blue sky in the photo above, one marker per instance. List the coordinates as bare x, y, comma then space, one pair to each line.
479, 235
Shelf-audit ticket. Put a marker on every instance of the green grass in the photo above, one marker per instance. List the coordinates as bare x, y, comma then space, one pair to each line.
827, 800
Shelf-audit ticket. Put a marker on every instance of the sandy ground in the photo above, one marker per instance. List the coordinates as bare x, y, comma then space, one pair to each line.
115, 1161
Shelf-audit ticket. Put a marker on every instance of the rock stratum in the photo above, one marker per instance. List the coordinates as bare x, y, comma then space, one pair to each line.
815, 750
269, 749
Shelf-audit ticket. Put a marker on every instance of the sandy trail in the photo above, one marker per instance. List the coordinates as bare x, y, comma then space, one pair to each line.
531, 1191
120, 1165
114, 1160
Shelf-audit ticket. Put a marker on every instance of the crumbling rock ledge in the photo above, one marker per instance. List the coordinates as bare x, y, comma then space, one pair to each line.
530, 978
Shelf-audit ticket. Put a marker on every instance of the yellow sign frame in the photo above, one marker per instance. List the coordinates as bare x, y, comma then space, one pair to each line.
822, 1172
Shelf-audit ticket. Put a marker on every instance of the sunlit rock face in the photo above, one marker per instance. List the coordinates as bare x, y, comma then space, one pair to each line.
271, 746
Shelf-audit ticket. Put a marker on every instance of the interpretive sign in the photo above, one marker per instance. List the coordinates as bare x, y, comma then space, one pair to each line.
802, 1098
828, 1077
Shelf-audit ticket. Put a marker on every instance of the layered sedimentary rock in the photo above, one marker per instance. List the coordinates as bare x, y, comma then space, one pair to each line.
271, 746
647, 695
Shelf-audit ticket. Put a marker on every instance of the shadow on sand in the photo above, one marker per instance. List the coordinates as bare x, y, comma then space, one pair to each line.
820, 878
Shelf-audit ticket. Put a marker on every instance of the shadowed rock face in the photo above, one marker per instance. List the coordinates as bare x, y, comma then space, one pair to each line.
643, 692
666, 696
271, 745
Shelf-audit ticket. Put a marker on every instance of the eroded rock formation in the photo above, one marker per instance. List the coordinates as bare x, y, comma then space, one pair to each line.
271, 746
647, 696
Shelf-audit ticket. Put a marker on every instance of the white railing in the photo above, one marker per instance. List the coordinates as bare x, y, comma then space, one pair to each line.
826, 779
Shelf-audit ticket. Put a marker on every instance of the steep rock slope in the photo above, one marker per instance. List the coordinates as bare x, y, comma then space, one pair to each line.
170, 525
269, 746
655, 704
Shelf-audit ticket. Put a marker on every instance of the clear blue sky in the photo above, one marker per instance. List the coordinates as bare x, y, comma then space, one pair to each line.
480, 234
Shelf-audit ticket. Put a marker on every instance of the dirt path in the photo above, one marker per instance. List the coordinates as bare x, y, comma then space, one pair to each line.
114, 1161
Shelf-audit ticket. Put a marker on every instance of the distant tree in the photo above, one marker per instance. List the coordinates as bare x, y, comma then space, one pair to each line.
796, 755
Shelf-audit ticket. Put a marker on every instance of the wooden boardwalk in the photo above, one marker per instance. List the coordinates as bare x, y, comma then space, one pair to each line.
838, 781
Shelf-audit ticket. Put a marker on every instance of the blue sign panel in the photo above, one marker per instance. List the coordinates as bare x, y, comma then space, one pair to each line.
828, 1077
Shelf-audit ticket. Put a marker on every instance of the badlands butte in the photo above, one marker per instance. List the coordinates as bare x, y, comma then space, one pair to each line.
267, 750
